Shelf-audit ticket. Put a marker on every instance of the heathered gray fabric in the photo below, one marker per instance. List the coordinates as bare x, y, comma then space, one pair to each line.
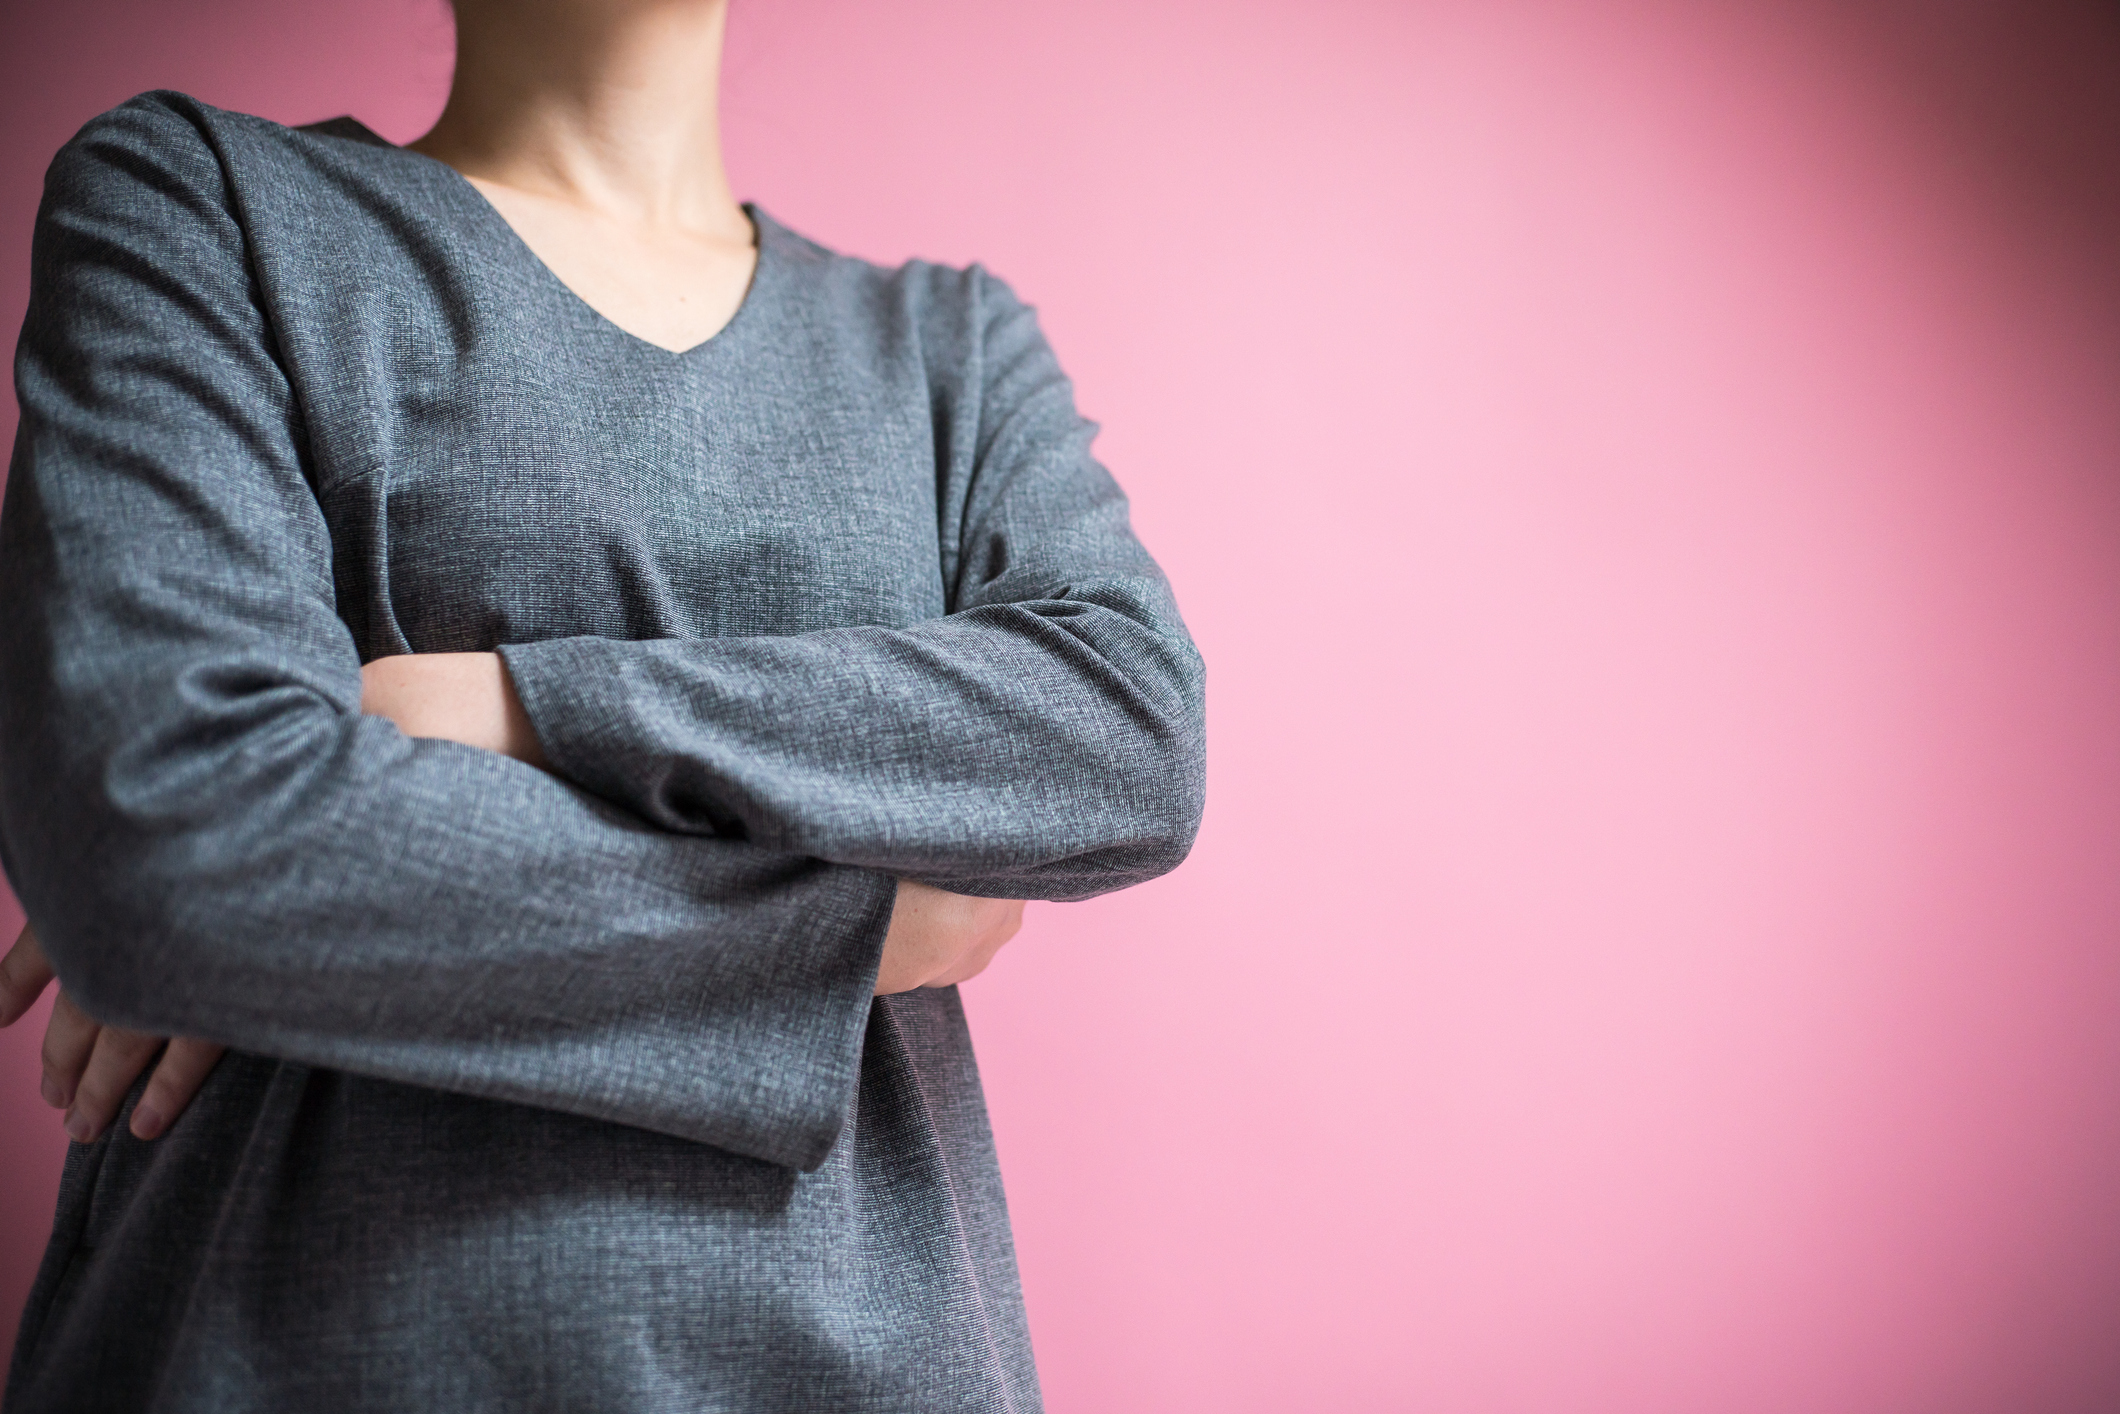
545, 1095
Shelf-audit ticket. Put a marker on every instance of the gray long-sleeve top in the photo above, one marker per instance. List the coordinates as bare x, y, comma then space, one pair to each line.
548, 1090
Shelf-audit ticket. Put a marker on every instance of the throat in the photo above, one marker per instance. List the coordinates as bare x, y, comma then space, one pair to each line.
672, 286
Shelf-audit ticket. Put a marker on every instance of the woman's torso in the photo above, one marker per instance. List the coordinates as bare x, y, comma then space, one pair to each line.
499, 464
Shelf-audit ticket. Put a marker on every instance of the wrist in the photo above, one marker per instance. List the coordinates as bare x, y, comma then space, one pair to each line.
467, 698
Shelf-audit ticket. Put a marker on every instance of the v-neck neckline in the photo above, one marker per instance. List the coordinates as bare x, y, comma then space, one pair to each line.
761, 268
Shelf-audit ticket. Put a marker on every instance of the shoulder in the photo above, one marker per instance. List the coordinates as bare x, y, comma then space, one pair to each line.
138, 195
155, 145
165, 147
951, 309
161, 120
161, 130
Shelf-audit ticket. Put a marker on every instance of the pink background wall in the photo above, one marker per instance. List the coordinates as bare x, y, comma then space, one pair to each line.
1646, 480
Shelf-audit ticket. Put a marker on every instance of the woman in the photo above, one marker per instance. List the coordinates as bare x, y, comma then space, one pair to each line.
519, 649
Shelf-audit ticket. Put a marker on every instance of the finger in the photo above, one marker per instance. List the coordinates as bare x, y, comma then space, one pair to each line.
69, 1038
965, 968
975, 959
117, 1061
24, 974
184, 1068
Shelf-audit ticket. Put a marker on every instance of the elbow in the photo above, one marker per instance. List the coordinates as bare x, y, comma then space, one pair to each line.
1179, 803
101, 984
1180, 778
145, 878
1147, 746
1161, 787
1147, 838
89, 923
116, 944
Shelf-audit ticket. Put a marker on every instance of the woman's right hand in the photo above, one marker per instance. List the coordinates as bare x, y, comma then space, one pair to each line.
937, 938
89, 1067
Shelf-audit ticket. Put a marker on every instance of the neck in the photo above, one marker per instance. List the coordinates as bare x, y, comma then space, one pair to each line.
610, 106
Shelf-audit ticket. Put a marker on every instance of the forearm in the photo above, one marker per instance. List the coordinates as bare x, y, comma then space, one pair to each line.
462, 697
999, 752
419, 911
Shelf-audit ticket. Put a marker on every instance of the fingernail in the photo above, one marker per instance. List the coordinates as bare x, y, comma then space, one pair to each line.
52, 1095
146, 1122
79, 1129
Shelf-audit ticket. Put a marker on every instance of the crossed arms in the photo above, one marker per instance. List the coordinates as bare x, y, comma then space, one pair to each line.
680, 925
936, 939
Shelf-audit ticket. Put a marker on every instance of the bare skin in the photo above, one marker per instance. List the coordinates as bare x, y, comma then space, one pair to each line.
593, 128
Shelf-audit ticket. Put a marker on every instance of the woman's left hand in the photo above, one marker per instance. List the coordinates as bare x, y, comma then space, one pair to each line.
90, 1067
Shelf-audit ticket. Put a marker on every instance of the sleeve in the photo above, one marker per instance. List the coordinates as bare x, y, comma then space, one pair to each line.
1042, 740
214, 841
